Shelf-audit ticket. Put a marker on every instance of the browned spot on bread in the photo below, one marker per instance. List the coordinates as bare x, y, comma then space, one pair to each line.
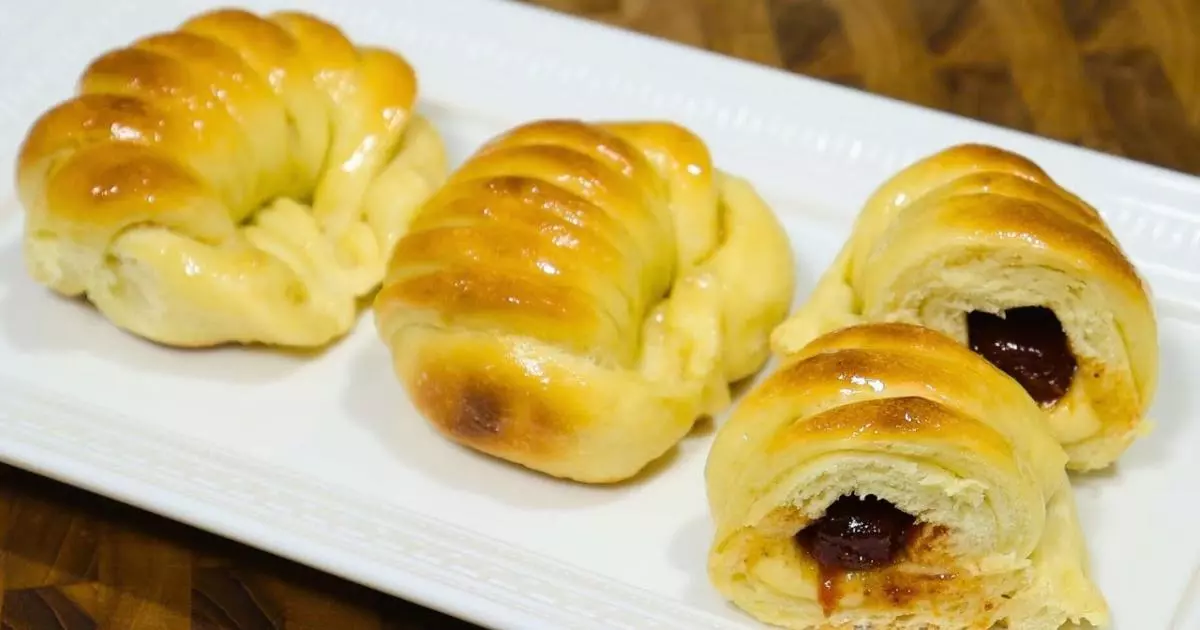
500, 414
480, 413
463, 406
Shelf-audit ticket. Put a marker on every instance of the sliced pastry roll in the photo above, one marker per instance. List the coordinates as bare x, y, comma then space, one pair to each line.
239, 179
982, 245
886, 477
577, 295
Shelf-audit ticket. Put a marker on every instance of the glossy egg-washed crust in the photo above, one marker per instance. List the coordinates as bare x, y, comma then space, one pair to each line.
578, 294
992, 230
239, 179
911, 416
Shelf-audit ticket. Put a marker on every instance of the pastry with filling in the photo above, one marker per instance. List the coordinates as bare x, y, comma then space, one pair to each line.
240, 179
980, 244
578, 294
887, 477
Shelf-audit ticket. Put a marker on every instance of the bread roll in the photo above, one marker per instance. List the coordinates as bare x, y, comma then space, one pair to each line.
982, 245
887, 477
240, 179
578, 294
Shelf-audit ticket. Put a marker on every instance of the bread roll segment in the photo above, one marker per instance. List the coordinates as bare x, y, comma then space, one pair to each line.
223, 182
578, 294
903, 414
976, 229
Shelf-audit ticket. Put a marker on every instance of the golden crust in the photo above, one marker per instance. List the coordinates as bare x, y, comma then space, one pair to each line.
885, 420
995, 222
879, 361
980, 170
233, 133
564, 301
908, 415
979, 228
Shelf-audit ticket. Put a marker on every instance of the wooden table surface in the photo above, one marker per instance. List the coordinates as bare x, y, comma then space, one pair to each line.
1121, 76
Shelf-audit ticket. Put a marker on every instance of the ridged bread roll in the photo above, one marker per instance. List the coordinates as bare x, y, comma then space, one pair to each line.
240, 179
886, 477
578, 294
980, 244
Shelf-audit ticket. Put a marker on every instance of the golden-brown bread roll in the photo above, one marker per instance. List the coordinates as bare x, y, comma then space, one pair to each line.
981, 244
578, 294
239, 179
886, 477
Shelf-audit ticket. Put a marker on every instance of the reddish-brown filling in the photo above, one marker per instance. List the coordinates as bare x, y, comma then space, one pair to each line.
1028, 344
855, 534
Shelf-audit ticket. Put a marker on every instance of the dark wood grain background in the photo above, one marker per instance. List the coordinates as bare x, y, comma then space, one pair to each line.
1121, 76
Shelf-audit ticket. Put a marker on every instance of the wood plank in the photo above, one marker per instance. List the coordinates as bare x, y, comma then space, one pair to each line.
1049, 73
890, 50
740, 29
1175, 24
145, 582
47, 543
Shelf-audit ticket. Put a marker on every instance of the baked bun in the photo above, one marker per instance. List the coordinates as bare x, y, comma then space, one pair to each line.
238, 180
982, 245
886, 477
578, 294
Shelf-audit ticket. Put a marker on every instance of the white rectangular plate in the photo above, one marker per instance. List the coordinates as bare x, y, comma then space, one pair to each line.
326, 462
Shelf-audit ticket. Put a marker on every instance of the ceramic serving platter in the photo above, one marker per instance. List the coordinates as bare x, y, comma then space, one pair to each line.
325, 460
